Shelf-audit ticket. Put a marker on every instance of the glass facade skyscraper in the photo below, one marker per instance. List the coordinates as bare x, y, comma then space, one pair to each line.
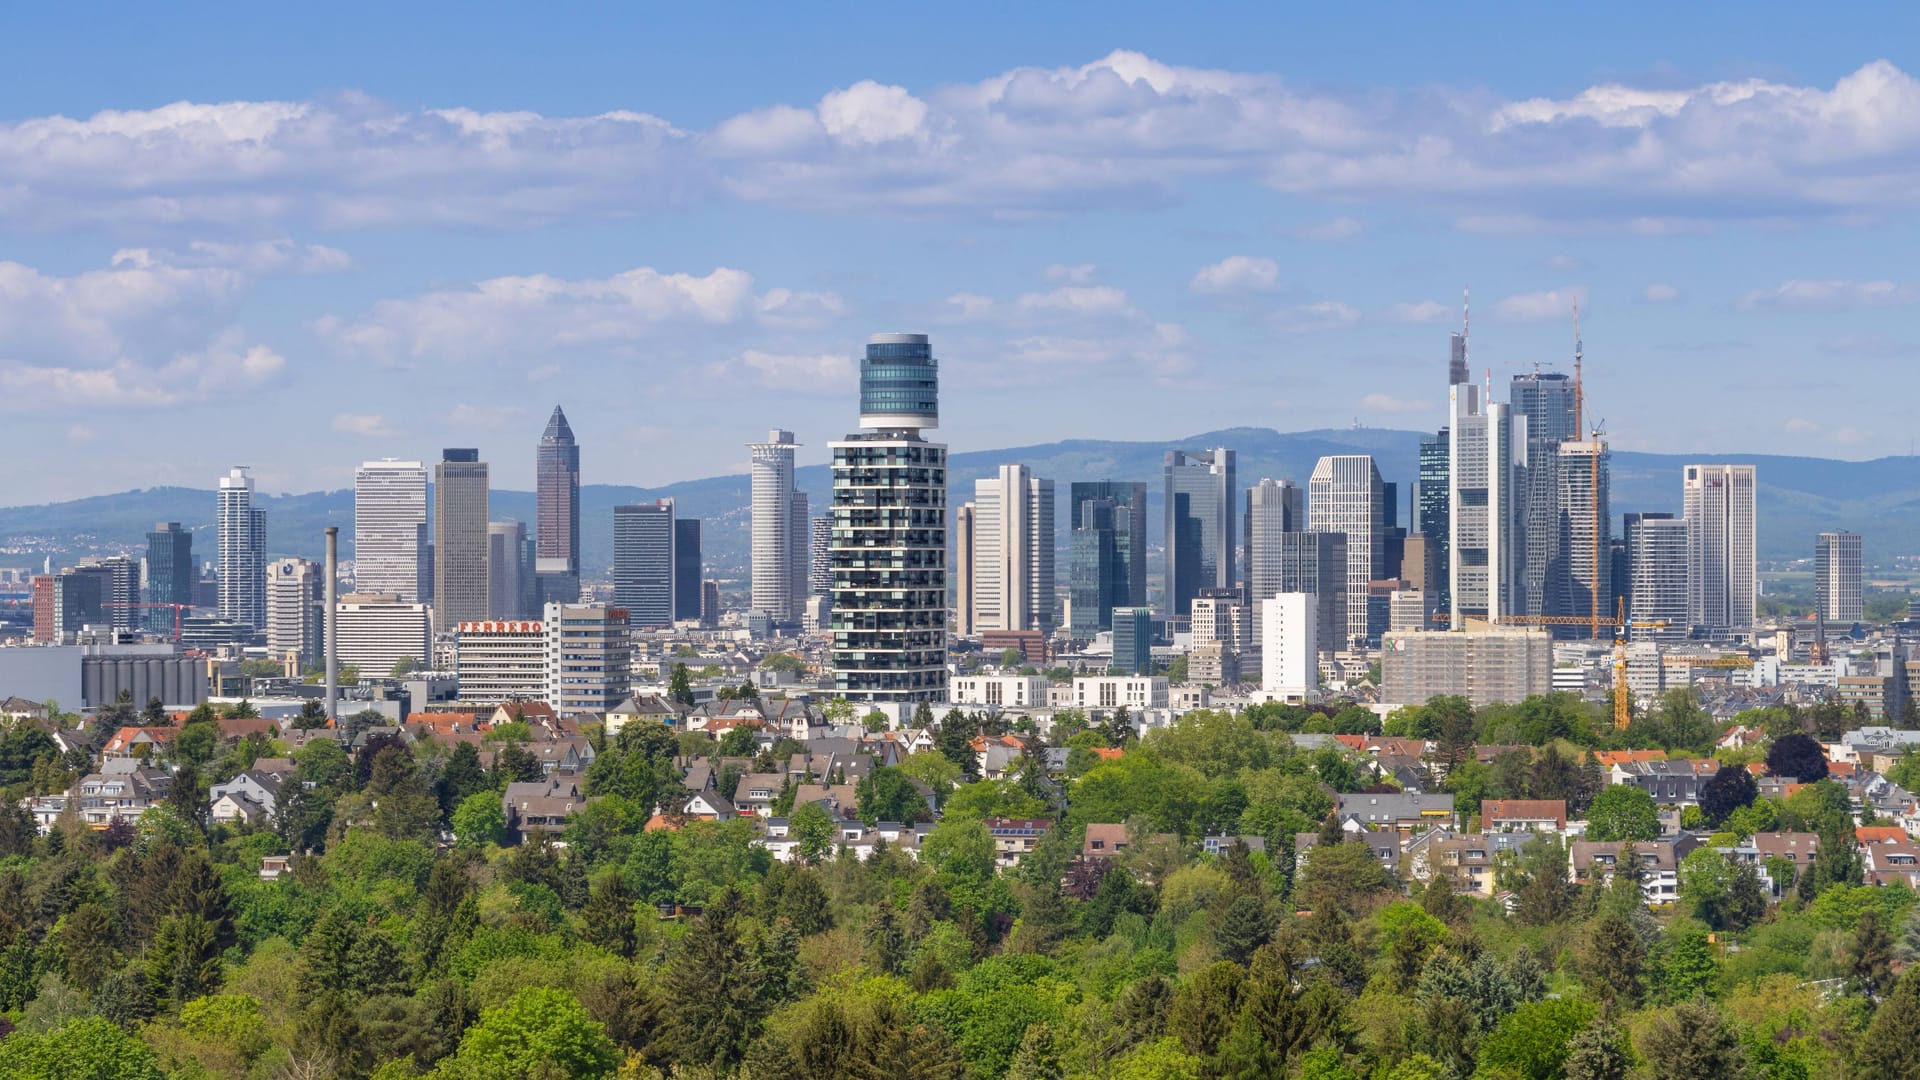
170, 573
556, 516
1201, 493
1430, 510
643, 562
1107, 552
687, 568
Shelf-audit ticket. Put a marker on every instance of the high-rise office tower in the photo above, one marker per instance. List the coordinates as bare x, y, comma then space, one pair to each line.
460, 540
296, 611
1482, 506
643, 569
119, 589
965, 544
889, 552
170, 573
1836, 577
1344, 495
1201, 493
243, 551
1274, 508
1107, 552
1718, 503
1430, 517
687, 568
1133, 640
1013, 537
1546, 400
1582, 570
819, 544
556, 516
389, 519
1457, 359
1656, 565
709, 603
799, 554
509, 571
773, 505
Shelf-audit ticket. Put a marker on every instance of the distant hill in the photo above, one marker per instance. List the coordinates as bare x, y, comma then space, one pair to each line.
1798, 497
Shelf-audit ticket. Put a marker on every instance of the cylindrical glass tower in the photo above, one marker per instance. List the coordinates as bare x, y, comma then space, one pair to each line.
899, 384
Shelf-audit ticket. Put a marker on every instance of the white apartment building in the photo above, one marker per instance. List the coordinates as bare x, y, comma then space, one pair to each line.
1005, 691
589, 657
1289, 649
1011, 576
1718, 505
1113, 691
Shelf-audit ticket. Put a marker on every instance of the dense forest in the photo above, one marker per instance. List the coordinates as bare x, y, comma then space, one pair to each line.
389, 950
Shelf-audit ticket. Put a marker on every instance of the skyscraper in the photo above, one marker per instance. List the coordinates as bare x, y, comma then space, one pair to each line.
889, 552
643, 565
964, 546
119, 589
1274, 508
1345, 496
295, 611
170, 573
1836, 577
1013, 538
1581, 573
1107, 552
1657, 592
1430, 518
509, 571
389, 523
556, 517
1201, 492
460, 540
1133, 640
687, 568
799, 553
1482, 506
1718, 502
1545, 399
773, 506
243, 551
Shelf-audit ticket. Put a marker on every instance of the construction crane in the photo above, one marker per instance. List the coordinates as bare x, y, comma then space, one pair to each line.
177, 609
1593, 465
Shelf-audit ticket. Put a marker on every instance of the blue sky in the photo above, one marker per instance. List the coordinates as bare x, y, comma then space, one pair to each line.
298, 245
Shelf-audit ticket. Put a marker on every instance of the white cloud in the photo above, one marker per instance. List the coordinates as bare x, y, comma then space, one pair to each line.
509, 316
823, 372
1849, 436
1122, 129
1387, 403
1659, 293
1332, 232
80, 433
484, 416
1425, 311
1079, 274
225, 368
1317, 316
1536, 306
361, 424
1802, 426
1803, 294
868, 112
1081, 300
970, 305
1238, 274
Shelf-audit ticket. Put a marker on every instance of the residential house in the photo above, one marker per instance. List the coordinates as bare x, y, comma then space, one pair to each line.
1401, 811
1672, 783
1892, 863
1524, 815
249, 798
541, 805
753, 796
839, 800
99, 798
707, 806
1105, 840
655, 707
1659, 863
1220, 845
139, 741
1014, 838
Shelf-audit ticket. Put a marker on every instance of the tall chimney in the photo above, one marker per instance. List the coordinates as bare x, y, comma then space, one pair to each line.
333, 622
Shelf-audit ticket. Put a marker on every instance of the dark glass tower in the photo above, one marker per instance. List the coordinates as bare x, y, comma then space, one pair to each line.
1430, 510
557, 512
1201, 493
170, 573
1107, 552
686, 568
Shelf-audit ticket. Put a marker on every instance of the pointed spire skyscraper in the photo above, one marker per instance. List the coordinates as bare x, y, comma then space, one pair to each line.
557, 512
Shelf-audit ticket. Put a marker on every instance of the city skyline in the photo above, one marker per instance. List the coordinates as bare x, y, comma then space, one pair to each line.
1297, 295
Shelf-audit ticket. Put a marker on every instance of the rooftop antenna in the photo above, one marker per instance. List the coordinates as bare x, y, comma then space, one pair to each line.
1579, 389
1466, 318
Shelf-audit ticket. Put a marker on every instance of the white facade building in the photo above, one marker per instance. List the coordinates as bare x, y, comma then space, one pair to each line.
1718, 502
243, 551
1012, 570
296, 610
773, 587
389, 527
1005, 691
1112, 691
1344, 495
1289, 650
1483, 559
502, 660
377, 630
1836, 577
